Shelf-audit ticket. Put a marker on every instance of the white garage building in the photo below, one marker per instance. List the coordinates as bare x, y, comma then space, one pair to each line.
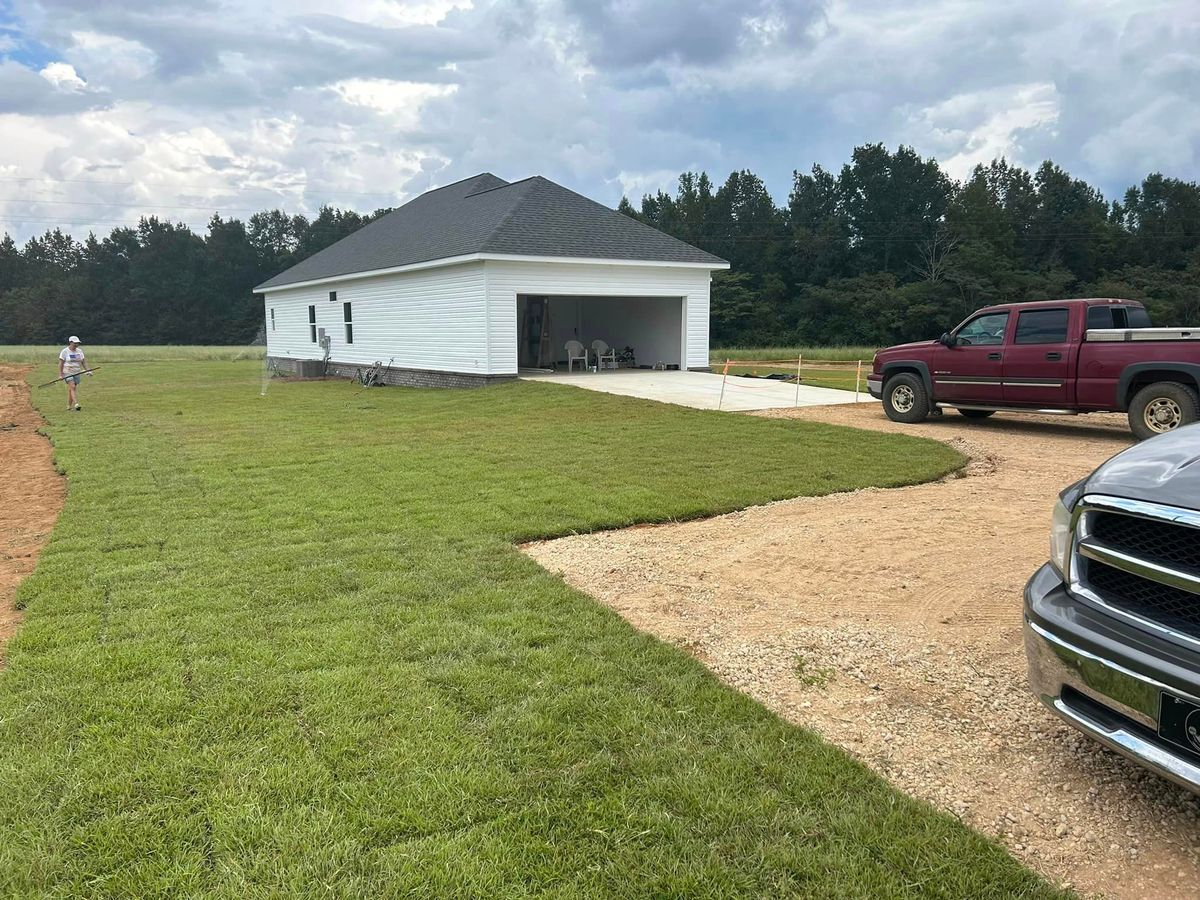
475, 281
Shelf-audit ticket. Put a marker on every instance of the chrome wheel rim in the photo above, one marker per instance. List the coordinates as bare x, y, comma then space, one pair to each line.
903, 398
1162, 415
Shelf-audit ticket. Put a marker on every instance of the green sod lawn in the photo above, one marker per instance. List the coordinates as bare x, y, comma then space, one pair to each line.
284, 645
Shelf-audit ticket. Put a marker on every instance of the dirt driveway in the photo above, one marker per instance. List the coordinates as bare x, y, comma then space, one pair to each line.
889, 621
31, 492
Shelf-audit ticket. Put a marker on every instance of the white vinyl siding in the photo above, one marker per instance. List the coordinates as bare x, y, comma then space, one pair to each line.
505, 280
463, 317
430, 319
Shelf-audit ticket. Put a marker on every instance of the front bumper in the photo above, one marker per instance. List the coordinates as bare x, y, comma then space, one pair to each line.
1106, 678
875, 386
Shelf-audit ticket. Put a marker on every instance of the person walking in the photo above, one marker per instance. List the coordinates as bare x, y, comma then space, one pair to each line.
71, 363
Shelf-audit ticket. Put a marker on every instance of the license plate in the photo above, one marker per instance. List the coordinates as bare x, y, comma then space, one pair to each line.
1179, 722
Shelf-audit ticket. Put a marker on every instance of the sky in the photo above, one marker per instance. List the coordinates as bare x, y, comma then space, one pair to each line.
181, 108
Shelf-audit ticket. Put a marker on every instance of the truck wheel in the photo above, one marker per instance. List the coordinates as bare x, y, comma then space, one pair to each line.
976, 413
1162, 407
905, 398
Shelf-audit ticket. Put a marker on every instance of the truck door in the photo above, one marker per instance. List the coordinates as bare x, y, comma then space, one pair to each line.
971, 371
1038, 362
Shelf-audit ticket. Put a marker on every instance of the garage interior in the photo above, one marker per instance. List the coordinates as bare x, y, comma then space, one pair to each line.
646, 332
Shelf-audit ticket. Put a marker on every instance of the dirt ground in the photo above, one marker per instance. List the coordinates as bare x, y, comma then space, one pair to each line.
31, 493
890, 622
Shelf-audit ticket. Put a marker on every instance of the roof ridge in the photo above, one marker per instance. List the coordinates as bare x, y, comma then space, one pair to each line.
508, 215
468, 178
507, 184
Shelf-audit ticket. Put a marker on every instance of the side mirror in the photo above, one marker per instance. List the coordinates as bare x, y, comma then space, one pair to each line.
947, 340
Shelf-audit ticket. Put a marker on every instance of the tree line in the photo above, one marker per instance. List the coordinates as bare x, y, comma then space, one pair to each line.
888, 249
158, 283
892, 249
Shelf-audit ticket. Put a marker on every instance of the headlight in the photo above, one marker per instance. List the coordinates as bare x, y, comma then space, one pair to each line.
1060, 538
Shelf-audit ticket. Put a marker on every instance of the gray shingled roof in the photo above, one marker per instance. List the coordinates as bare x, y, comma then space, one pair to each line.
485, 214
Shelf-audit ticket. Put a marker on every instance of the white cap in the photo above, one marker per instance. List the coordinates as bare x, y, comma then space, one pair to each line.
73, 340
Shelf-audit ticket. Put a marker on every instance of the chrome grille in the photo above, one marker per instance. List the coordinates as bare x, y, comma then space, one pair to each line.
1140, 561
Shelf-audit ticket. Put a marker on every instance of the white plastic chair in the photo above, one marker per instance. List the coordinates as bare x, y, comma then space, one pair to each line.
576, 352
604, 352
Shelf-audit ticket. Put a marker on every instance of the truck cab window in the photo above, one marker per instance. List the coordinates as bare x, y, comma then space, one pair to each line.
1137, 318
984, 331
1118, 317
1042, 326
1101, 317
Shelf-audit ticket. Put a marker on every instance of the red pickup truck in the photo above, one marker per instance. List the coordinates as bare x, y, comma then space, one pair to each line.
1057, 356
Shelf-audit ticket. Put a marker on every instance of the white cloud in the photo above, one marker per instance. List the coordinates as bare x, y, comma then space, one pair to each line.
364, 103
401, 101
983, 125
63, 76
109, 58
428, 12
635, 184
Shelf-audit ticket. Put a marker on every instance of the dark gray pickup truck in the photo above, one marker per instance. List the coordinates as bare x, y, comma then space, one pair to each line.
1112, 622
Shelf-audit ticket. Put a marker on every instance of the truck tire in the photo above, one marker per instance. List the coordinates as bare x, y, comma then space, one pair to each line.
976, 413
1162, 407
905, 398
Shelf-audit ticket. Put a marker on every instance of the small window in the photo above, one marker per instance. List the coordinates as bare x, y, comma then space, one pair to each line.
1118, 317
1138, 317
349, 323
312, 324
272, 318
333, 296
1101, 317
1042, 326
984, 331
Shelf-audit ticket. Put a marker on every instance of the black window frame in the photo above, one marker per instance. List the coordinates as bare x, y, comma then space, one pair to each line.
312, 324
1040, 338
272, 318
348, 321
333, 296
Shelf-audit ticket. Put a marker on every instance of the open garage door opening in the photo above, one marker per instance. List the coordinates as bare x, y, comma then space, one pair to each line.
642, 332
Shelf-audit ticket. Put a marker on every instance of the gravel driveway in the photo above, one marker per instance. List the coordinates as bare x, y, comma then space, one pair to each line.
889, 621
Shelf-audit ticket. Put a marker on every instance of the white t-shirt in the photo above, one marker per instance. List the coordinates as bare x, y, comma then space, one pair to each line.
72, 360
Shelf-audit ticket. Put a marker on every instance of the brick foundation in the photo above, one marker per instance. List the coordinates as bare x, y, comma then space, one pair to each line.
400, 377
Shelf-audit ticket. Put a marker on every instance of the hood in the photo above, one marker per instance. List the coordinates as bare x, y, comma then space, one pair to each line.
1165, 469
912, 346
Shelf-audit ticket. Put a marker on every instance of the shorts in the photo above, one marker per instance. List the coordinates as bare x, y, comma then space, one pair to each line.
73, 379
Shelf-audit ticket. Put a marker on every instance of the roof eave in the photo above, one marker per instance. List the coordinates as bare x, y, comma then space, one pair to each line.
714, 265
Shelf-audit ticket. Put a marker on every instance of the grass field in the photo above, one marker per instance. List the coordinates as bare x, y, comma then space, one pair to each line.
844, 354
284, 646
817, 376
36, 354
